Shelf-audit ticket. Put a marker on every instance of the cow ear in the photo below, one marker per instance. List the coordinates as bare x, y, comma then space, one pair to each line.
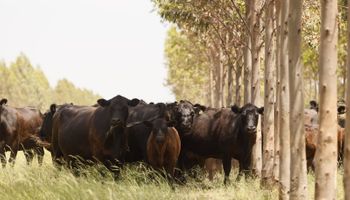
3, 101
236, 109
133, 102
171, 123
103, 102
198, 108
312, 103
148, 124
171, 105
341, 109
53, 108
261, 110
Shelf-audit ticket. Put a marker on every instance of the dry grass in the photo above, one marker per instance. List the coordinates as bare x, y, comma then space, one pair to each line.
46, 182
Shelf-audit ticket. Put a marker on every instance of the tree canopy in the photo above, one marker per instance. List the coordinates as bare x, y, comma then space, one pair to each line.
25, 85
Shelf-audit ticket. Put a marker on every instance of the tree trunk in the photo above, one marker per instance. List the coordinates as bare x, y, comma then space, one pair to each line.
268, 137
229, 84
248, 57
284, 106
222, 79
211, 92
347, 125
276, 161
238, 98
326, 154
298, 179
315, 88
256, 152
216, 76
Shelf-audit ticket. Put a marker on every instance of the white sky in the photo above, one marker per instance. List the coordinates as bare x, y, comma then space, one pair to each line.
109, 46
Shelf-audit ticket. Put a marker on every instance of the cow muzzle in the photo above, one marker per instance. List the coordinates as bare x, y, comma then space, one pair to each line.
160, 139
251, 129
116, 122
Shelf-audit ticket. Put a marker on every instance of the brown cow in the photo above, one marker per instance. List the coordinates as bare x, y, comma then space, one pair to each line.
163, 145
311, 134
19, 130
92, 133
310, 144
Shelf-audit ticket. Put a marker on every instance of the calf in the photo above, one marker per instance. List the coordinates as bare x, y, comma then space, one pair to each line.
225, 134
138, 133
19, 131
163, 145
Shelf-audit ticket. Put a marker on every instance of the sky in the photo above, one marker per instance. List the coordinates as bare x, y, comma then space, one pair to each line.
108, 46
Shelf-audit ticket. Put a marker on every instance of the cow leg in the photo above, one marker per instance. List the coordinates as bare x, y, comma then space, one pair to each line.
13, 156
3, 158
39, 151
226, 162
113, 167
29, 156
57, 158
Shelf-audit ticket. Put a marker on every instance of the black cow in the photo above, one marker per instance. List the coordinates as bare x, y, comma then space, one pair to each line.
183, 113
313, 105
92, 133
45, 131
19, 131
225, 134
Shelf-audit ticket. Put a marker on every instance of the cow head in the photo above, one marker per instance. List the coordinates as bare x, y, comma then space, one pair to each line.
117, 110
2, 102
249, 114
314, 105
46, 127
159, 128
183, 113
341, 110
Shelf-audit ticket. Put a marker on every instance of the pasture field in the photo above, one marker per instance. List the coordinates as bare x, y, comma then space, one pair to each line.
47, 182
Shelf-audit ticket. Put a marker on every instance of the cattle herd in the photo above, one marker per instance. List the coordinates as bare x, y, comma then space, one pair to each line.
166, 136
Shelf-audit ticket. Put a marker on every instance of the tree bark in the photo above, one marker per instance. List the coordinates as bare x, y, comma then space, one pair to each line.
248, 57
222, 79
216, 76
238, 97
276, 161
284, 106
211, 92
347, 125
326, 154
269, 89
298, 179
256, 152
229, 84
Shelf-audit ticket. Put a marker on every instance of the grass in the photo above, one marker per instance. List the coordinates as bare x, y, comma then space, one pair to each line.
47, 182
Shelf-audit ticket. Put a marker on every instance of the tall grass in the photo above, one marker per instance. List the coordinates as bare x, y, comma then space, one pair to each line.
136, 182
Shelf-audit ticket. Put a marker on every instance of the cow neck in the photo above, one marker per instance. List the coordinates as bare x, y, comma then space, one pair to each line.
180, 130
243, 136
101, 120
8, 118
